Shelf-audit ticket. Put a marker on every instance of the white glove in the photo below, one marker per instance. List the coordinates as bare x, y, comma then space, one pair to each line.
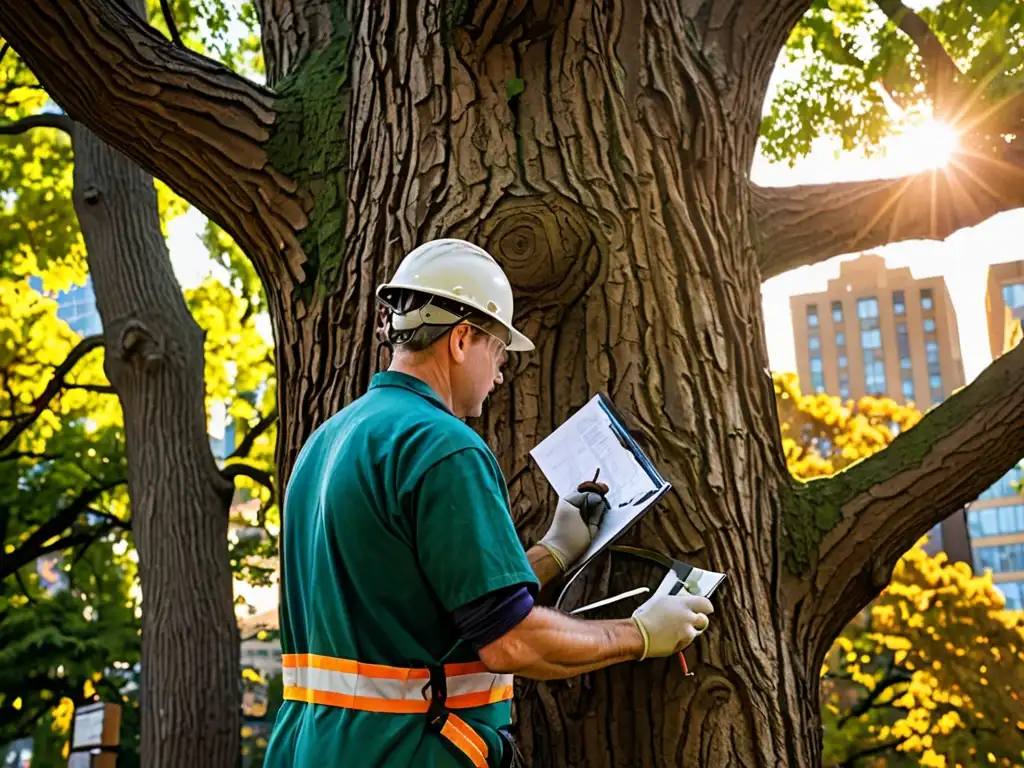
669, 623
577, 518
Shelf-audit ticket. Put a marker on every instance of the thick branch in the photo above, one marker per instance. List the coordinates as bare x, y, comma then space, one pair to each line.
253, 434
46, 120
880, 506
237, 469
810, 223
22, 422
36, 544
186, 119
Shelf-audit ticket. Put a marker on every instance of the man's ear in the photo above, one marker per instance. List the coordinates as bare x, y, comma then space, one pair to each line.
458, 342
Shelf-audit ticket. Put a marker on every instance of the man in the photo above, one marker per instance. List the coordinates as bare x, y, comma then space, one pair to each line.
406, 597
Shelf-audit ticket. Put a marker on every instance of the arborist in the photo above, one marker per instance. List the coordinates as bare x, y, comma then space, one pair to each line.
407, 601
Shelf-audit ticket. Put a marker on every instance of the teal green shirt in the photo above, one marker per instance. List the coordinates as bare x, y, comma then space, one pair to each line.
396, 514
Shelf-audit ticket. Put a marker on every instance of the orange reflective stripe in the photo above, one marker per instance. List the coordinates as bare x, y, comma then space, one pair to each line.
480, 699
465, 668
459, 733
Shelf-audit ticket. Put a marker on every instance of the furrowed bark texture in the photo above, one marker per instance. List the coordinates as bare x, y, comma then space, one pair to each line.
154, 359
603, 164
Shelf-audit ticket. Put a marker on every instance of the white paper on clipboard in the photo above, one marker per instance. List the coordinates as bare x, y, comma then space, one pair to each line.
594, 438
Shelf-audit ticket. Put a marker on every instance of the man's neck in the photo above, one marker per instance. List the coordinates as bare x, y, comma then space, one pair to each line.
428, 370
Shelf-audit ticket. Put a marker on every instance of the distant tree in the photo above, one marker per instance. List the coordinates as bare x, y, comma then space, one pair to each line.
69, 569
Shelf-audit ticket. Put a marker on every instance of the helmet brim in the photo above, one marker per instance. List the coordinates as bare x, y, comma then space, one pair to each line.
517, 341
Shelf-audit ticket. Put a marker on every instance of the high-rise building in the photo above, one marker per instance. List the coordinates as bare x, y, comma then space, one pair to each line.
996, 519
878, 331
883, 332
1004, 304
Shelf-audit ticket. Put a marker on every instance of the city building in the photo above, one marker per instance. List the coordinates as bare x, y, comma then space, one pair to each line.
996, 519
75, 306
878, 331
1004, 304
996, 524
883, 332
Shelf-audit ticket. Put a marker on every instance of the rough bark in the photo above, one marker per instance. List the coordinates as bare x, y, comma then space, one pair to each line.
179, 500
601, 152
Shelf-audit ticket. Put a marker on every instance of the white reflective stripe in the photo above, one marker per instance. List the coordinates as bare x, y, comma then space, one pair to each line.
351, 684
477, 682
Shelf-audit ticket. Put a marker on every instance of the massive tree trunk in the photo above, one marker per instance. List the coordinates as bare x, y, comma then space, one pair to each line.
179, 500
601, 152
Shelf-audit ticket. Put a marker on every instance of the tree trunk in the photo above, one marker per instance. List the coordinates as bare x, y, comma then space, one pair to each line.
625, 233
154, 358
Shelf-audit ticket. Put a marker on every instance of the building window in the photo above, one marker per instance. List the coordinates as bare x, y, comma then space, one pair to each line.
840, 339
931, 351
814, 342
844, 386
908, 388
1003, 558
867, 308
899, 306
871, 342
1005, 487
1013, 295
1013, 592
812, 315
837, 311
843, 362
996, 521
935, 382
927, 303
929, 325
817, 375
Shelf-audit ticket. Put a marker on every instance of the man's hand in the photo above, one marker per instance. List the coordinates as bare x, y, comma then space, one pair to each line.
669, 623
577, 518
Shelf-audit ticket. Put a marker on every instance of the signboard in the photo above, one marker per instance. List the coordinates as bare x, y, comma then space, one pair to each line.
96, 726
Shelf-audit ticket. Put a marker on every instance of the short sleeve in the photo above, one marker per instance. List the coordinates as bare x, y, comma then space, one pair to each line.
465, 540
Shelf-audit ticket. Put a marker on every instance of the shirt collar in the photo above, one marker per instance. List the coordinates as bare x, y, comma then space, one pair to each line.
411, 383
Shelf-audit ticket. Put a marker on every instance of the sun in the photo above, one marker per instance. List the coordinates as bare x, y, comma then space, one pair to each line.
931, 144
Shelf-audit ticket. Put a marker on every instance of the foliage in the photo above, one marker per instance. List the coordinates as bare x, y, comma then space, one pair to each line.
849, 73
821, 434
931, 673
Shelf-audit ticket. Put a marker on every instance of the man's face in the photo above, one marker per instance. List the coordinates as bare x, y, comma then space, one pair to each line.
478, 359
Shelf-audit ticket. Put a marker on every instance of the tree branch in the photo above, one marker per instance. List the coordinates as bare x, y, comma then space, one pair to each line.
811, 223
36, 544
231, 471
184, 118
14, 455
22, 422
102, 389
868, 515
253, 434
851, 761
46, 120
172, 27
941, 69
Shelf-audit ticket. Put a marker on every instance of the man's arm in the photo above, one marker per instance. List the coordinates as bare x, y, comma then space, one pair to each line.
548, 645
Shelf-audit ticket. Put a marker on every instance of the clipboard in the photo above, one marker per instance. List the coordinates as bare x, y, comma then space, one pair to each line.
596, 437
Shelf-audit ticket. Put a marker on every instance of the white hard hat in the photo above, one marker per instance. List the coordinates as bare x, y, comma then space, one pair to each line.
461, 275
